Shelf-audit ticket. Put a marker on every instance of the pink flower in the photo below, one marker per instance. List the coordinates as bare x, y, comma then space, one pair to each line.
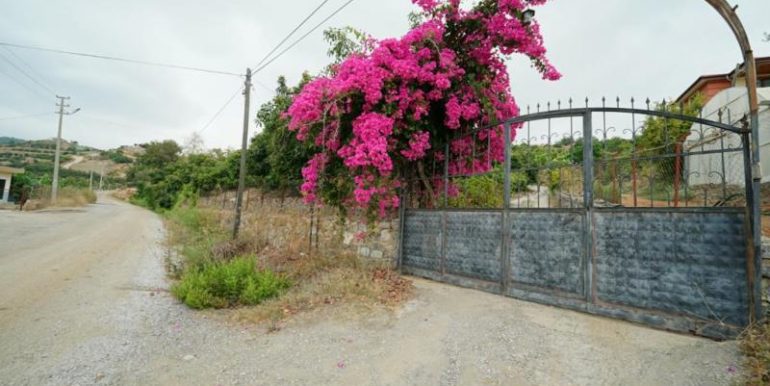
426, 5
386, 108
418, 144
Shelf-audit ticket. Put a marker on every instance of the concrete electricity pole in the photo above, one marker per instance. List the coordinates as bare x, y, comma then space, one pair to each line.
244, 143
101, 178
57, 156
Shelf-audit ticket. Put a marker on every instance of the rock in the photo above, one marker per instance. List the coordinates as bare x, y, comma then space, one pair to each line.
188, 357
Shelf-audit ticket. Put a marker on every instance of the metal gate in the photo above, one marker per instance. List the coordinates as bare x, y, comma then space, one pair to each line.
649, 221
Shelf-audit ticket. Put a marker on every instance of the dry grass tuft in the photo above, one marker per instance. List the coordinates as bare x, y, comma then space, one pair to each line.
755, 345
330, 275
124, 194
67, 197
366, 287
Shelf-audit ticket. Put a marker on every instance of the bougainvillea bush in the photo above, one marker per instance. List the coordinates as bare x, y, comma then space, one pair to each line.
385, 113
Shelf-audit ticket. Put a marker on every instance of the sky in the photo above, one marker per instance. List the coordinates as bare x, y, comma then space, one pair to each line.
653, 48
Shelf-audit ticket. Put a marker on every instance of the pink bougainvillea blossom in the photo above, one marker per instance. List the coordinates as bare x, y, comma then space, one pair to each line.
397, 105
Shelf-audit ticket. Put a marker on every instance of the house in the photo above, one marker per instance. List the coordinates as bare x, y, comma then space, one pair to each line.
726, 93
711, 85
5, 180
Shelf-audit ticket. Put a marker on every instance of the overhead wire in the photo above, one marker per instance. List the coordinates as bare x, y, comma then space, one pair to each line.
43, 83
119, 59
263, 85
273, 50
221, 109
264, 62
24, 85
25, 116
277, 46
106, 121
338, 10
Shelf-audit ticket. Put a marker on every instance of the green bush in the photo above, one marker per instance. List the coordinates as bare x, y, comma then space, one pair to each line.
482, 191
268, 286
519, 181
485, 190
226, 284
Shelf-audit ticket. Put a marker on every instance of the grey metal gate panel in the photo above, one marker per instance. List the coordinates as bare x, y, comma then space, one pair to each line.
422, 243
473, 244
690, 263
547, 249
682, 262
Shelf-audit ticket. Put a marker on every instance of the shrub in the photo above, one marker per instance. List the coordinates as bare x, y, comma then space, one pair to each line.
226, 284
755, 346
519, 181
267, 287
482, 191
485, 190
68, 196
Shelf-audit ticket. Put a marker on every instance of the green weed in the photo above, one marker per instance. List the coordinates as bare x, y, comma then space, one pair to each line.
227, 284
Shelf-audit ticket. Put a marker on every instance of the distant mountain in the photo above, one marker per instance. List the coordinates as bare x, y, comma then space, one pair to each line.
11, 141
48, 143
37, 154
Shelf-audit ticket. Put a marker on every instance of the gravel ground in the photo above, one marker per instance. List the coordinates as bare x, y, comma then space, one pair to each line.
84, 302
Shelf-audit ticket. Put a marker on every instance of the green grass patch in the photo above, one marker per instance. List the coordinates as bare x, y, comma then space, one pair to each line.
228, 284
209, 280
193, 232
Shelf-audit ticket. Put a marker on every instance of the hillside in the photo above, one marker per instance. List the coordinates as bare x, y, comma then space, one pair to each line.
21, 153
11, 140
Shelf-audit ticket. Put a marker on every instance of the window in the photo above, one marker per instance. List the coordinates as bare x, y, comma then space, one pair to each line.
764, 83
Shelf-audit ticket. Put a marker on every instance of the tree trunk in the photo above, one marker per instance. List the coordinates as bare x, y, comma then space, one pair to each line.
426, 182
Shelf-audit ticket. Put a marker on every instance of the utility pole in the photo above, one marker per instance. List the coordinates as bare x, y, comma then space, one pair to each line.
91, 181
57, 155
242, 171
101, 178
55, 185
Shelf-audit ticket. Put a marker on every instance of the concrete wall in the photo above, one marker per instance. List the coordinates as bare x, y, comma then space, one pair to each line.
287, 220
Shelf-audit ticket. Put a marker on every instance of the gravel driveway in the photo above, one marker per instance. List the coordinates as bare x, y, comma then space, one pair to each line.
83, 302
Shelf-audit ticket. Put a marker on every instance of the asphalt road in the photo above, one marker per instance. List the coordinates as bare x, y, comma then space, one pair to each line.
83, 301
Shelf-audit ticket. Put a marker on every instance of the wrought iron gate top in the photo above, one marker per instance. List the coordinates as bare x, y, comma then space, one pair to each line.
680, 182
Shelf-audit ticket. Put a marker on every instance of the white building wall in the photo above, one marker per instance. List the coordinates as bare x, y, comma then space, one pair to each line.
704, 169
7, 188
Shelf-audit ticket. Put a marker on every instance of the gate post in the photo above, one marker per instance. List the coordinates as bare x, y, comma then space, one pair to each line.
445, 205
588, 203
401, 226
505, 266
753, 253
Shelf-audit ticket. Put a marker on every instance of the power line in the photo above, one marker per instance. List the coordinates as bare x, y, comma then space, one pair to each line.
260, 68
24, 116
30, 89
263, 85
41, 84
88, 116
219, 111
277, 46
118, 59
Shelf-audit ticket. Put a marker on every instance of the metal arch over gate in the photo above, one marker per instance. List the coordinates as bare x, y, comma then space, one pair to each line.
653, 226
